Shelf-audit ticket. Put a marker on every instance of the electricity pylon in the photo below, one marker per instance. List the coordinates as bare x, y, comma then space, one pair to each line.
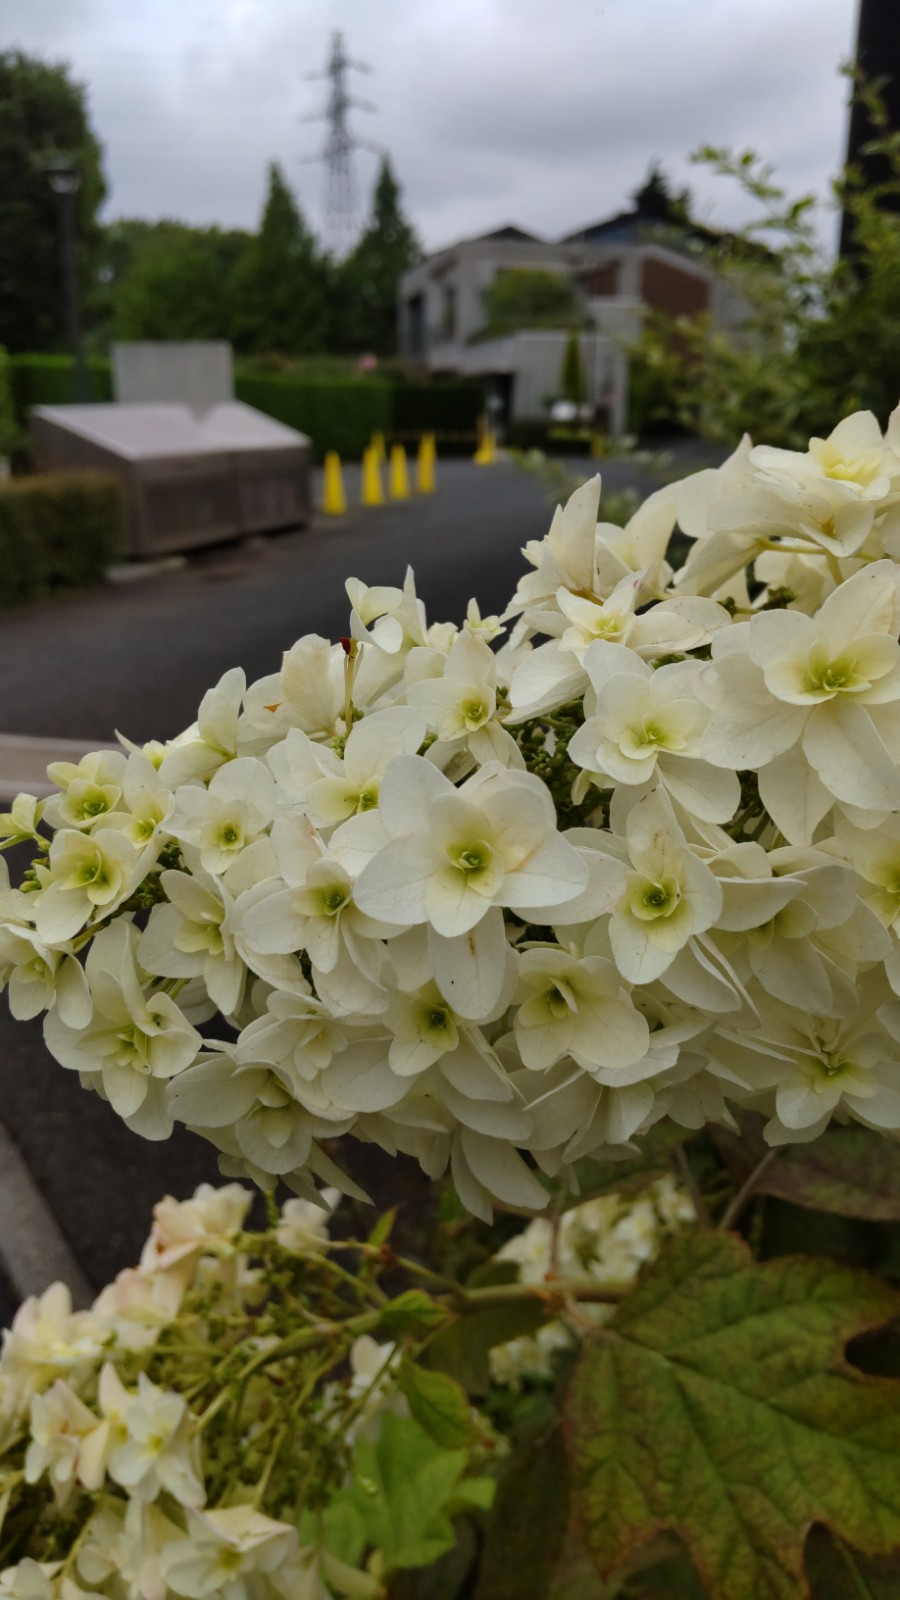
341, 216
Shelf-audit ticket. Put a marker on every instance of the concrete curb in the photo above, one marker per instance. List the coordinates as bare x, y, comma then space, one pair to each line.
24, 759
33, 1249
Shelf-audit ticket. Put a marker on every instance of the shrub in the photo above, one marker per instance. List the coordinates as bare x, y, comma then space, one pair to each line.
58, 531
49, 380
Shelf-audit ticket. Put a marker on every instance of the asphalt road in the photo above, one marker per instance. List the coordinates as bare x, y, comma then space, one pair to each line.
138, 657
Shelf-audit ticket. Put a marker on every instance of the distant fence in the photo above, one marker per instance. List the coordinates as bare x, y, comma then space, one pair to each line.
338, 413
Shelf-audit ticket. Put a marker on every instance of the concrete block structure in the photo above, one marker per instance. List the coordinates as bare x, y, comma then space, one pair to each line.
191, 478
198, 373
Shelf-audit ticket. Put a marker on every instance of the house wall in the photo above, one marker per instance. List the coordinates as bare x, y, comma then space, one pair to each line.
442, 311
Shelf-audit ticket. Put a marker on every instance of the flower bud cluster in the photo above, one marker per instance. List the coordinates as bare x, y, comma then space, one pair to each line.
502, 907
155, 1446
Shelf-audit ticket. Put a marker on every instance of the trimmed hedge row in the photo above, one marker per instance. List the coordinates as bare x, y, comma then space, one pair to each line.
50, 381
338, 413
57, 531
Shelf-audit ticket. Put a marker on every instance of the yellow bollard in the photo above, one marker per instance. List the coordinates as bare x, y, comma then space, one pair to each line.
425, 464
598, 446
377, 444
399, 489
372, 491
334, 502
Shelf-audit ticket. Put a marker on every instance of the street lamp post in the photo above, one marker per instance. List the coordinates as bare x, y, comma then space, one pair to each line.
65, 179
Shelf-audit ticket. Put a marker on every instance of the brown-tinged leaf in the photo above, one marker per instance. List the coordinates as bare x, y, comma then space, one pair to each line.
718, 1405
852, 1171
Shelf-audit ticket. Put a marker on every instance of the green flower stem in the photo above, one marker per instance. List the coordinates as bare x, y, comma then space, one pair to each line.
552, 1294
308, 1338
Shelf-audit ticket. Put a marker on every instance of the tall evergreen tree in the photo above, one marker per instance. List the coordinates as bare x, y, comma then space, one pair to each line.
279, 286
42, 113
369, 280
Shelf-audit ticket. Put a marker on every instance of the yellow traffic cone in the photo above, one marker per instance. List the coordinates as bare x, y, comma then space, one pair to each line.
372, 491
425, 464
399, 489
486, 454
377, 444
334, 502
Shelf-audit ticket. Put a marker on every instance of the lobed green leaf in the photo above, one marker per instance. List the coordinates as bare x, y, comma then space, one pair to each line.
718, 1405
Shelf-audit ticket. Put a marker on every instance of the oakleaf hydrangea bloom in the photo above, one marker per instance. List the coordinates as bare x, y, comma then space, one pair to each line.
502, 903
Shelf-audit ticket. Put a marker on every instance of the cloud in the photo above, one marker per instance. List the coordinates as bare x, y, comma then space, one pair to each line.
493, 110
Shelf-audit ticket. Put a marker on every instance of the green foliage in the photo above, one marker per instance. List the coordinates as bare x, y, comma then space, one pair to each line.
571, 378
367, 283
38, 380
439, 1405
60, 531
819, 338
339, 415
42, 113
463, 1348
178, 284
414, 1311
718, 1404
405, 1492
528, 297
526, 1532
280, 284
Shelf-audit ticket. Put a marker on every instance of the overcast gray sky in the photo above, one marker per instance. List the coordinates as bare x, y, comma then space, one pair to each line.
541, 112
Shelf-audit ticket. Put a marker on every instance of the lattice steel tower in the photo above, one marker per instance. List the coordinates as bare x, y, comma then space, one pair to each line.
341, 215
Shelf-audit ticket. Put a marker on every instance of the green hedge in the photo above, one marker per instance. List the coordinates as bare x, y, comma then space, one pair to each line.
57, 531
337, 415
50, 381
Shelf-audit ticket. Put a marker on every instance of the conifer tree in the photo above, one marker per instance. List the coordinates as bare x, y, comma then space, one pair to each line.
279, 286
369, 279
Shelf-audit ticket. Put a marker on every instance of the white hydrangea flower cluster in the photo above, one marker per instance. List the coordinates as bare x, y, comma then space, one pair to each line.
505, 908
97, 1430
604, 1241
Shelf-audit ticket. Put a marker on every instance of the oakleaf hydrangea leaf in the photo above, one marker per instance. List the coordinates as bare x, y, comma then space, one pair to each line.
718, 1405
852, 1171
